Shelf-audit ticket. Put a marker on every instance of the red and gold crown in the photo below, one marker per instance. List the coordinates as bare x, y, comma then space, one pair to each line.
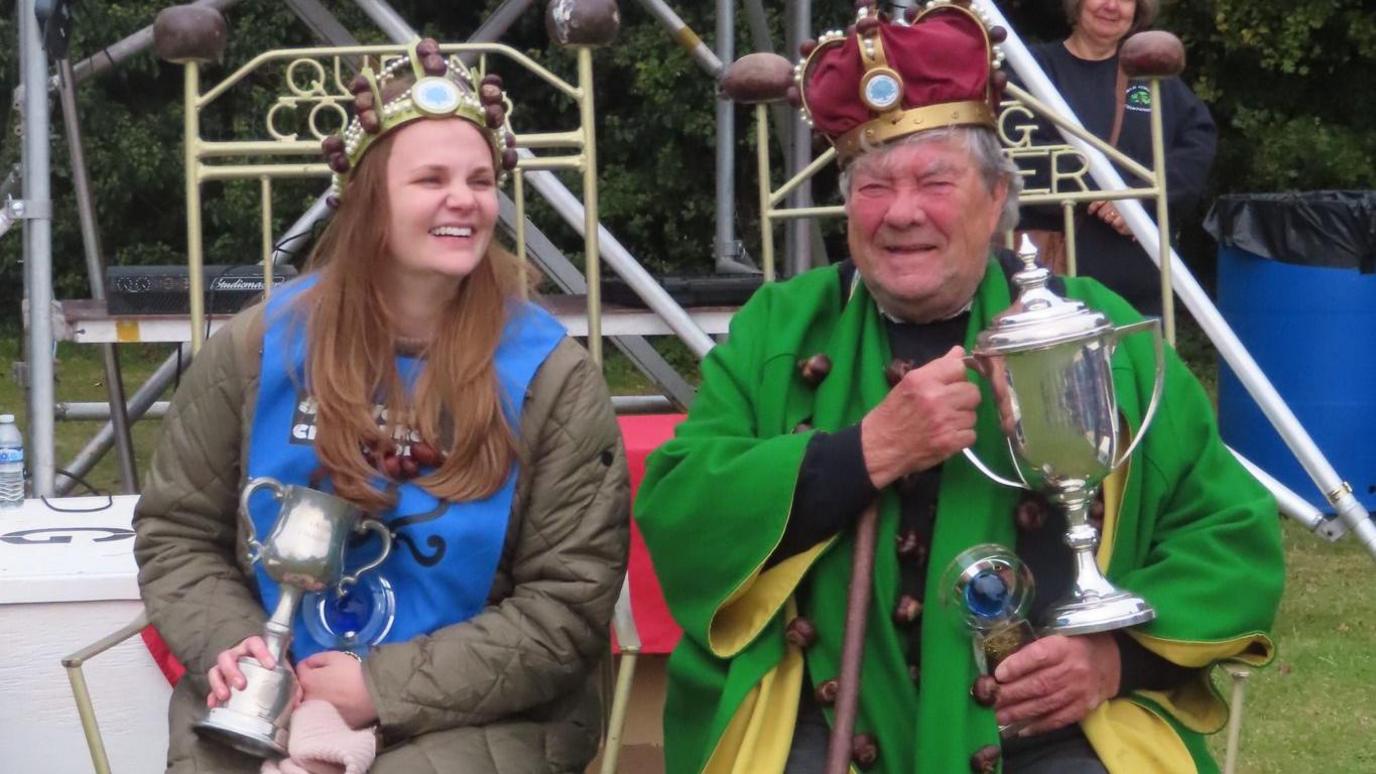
421, 84
883, 78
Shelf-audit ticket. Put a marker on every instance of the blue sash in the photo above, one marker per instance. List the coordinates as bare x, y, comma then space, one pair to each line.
444, 555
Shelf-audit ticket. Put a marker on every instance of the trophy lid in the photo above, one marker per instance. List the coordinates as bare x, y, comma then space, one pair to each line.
1039, 318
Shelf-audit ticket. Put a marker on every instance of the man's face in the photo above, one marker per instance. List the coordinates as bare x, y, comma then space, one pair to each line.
919, 222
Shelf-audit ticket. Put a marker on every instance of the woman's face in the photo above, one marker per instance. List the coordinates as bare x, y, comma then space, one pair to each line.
1106, 20
442, 193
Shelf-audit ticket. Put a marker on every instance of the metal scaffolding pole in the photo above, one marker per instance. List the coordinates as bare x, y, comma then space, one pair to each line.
560, 270
388, 20
726, 247
95, 268
1335, 489
38, 258
798, 233
711, 63
762, 42
115, 53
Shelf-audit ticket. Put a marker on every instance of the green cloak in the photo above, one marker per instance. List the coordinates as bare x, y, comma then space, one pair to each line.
1190, 530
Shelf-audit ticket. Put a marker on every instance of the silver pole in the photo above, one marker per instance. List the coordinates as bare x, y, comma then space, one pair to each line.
1290, 504
39, 258
1338, 491
133, 45
761, 41
642, 404
387, 20
711, 63
798, 237
498, 22
139, 404
88, 411
90, 239
726, 252
622, 262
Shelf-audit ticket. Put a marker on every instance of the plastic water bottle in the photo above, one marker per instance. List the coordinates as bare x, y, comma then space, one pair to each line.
11, 463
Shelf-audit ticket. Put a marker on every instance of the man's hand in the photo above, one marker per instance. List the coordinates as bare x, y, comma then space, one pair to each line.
1056, 681
226, 675
1109, 214
926, 418
338, 679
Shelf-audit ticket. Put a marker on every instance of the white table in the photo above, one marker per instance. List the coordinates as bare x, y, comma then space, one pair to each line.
66, 580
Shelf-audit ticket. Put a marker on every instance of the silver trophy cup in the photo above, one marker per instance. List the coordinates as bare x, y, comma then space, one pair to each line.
1048, 362
305, 552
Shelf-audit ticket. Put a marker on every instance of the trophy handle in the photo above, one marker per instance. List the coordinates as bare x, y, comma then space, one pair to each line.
386, 537
979, 464
974, 363
1154, 325
255, 547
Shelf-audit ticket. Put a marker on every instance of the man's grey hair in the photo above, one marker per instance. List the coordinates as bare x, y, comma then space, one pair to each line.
1142, 16
993, 164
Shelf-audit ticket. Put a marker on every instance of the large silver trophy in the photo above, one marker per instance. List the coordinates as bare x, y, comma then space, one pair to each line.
1048, 361
304, 553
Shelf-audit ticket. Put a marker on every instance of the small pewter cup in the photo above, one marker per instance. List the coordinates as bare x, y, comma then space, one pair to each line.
1048, 361
304, 552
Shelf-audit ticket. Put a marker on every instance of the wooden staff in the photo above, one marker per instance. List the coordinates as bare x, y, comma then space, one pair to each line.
853, 645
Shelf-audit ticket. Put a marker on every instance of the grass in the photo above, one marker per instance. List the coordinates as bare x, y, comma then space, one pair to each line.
1313, 710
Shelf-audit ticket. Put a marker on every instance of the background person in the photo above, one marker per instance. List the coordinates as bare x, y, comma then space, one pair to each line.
1084, 68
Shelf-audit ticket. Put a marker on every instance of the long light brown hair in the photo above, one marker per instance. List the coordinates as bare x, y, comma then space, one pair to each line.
456, 404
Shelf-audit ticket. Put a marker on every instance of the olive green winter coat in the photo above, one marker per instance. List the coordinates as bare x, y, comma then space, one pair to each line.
508, 691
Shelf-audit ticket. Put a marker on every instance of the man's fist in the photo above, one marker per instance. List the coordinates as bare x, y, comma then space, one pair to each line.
926, 418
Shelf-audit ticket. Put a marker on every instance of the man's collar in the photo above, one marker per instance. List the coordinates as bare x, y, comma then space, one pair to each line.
855, 281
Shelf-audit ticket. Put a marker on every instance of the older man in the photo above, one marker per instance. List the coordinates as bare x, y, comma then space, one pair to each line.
844, 386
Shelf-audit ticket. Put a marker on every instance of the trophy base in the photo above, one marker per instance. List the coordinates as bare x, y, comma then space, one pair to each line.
1098, 614
250, 735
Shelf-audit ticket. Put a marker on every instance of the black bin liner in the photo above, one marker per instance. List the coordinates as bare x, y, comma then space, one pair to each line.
1336, 229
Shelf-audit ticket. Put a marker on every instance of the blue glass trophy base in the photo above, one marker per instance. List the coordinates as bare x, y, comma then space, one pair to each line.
353, 618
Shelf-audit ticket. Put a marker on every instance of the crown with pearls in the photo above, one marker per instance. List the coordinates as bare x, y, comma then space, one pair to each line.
883, 78
437, 88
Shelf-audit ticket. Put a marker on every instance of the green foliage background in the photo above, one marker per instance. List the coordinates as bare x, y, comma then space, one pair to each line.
1288, 81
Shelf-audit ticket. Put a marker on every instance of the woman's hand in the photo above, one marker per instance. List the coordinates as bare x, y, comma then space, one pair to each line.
1056, 681
337, 678
1109, 214
226, 675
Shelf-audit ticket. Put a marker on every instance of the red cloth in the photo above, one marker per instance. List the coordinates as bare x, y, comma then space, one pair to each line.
171, 668
658, 632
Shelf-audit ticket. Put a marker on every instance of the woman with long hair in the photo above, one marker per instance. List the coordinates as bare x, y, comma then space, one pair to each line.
406, 374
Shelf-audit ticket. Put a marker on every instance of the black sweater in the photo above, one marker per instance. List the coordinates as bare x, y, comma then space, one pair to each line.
1190, 138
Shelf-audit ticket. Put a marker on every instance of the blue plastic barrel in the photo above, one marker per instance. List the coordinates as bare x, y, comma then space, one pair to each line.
1313, 331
